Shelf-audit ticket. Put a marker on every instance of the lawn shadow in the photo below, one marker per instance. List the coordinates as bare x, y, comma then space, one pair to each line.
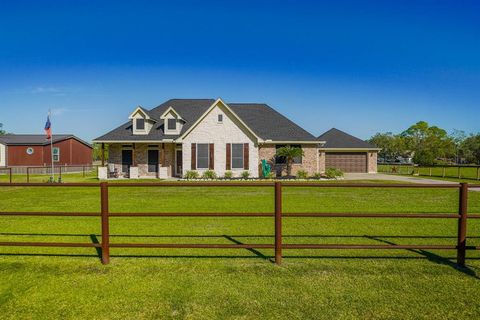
252, 250
434, 258
98, 249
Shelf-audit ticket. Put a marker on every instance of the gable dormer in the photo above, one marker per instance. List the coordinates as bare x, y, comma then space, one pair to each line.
142, 123
172, 122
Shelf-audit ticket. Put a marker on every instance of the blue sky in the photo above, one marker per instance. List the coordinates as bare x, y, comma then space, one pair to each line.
360, 66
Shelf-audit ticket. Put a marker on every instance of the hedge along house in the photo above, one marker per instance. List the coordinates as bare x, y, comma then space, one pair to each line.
347, 153
23, 150
205, 134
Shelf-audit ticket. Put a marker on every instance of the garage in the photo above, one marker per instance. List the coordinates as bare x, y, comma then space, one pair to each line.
347, 161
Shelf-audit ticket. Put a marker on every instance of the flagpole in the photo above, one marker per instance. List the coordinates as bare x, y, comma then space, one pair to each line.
51, 146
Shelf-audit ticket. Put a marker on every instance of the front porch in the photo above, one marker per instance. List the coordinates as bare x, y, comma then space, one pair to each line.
142, 160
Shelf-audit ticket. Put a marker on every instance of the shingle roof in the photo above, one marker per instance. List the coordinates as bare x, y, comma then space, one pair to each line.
35, 139
267, 123
264, 121
338, 139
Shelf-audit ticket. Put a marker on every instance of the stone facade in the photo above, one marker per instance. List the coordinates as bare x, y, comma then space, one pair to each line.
141, 157
372, 161
310, 160
229, 130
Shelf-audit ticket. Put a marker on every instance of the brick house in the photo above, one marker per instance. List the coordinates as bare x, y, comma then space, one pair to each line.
22, 150
206, 134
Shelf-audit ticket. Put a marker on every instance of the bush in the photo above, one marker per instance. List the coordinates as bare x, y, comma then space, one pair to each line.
317, 175
302, 174
245, 174
271, 175
333, 173
191, 174
228, 175
209, 174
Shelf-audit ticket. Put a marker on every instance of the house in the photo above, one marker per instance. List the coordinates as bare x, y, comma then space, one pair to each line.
206, 134
22, 150
347, 153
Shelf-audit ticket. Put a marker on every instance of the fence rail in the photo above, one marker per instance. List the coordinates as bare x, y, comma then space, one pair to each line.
433, 171
105, 215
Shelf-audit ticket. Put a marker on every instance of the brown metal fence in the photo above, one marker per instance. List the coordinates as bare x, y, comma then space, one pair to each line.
410, 169
278, 215
9, 172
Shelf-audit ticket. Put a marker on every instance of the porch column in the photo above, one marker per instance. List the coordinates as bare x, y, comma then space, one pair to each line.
103, 154
162, 155
134, 160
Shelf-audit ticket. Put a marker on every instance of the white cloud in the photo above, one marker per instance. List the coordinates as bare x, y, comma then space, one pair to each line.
46, 90
58, 111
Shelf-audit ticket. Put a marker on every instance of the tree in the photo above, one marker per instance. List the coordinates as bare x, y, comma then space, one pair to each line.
289, 153
97, 152
2, 132
428, 143
471, 148
391, 145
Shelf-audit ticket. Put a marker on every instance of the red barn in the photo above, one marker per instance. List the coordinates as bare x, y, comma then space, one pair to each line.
17, 150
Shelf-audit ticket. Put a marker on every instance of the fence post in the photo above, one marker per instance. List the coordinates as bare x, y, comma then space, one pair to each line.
462, 224
278, 223
430, 171
105, 225
478, 173
83, 169
28, 175
10, 172
458, 172
443, 174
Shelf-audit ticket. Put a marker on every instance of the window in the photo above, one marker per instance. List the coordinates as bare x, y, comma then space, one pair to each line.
140, 124
30, 151
220, 118
280, 160
283, 160
202, 156
56, 154
172, 124
237, 155
297, 160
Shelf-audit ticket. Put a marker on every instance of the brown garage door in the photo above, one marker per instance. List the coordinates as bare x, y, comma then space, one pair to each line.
346, 161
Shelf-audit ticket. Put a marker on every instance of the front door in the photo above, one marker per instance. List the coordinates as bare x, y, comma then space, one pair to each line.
127, 160
178, 163
152, 160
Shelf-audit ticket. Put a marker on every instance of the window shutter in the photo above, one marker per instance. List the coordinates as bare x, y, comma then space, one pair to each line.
194, 156
211, 163
245, 156
229, 157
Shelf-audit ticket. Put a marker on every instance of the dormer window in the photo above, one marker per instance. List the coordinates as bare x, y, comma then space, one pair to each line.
172, 124
140, 124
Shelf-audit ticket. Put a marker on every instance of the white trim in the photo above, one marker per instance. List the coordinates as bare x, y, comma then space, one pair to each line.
139, 109
208, 111
178, 174
243, 157
350, 149
170, 109
208, 156
290, 142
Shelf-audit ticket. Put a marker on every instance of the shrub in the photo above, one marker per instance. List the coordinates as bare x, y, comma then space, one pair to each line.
317, 175
333, 173
191, 174
209, 174
245, 174
228, 175
302, 174
271, 175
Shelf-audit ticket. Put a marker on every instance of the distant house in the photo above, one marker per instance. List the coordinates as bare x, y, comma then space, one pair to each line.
206, 134
21, 150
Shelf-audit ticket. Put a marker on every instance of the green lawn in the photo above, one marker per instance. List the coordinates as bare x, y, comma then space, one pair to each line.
451, 173
70, 283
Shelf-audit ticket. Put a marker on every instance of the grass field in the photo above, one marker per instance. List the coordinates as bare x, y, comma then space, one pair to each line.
450, 173
66, 283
